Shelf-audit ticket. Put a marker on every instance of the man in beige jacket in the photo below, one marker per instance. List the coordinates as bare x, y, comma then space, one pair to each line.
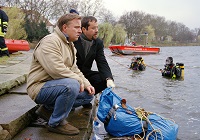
54, 80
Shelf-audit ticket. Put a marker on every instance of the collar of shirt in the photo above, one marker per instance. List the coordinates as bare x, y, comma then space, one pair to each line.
67, 37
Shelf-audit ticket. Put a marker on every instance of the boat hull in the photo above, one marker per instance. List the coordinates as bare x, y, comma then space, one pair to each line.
17, 45
133, 49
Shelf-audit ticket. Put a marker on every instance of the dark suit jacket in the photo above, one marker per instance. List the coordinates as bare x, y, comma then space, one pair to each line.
96, 53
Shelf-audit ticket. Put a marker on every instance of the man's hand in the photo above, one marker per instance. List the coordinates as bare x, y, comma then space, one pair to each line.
110, 83
91, 90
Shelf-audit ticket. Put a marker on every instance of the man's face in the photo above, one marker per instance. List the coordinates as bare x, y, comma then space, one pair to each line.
73, 29
92, 31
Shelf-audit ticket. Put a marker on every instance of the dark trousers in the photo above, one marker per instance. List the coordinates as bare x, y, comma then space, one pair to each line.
97, 82
3, 47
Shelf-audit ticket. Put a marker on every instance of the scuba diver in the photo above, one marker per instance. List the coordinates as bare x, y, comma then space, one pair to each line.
137, 64
171, 70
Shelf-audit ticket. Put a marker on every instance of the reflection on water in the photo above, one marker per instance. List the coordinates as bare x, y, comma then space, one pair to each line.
176, 99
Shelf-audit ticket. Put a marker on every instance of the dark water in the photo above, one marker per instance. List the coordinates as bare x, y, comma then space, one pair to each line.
175, 99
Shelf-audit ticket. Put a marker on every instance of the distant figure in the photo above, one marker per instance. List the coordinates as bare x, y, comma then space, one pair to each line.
134, 43
138, 64
3, 30
171, 70
73, 11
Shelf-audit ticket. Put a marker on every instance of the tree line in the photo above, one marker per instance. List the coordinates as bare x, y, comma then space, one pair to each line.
28, 19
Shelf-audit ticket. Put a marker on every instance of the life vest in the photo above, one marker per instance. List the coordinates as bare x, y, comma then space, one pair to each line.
172, 71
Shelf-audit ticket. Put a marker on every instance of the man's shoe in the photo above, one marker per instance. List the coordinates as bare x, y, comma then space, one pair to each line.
44, 113
64, 129
73, 109
89, 106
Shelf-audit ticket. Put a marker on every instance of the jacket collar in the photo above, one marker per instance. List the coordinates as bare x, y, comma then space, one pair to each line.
61, 34
80, 49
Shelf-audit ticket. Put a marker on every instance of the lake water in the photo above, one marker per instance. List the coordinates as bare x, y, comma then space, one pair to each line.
175, 99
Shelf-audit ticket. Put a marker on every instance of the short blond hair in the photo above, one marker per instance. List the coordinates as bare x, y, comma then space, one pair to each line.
65, 19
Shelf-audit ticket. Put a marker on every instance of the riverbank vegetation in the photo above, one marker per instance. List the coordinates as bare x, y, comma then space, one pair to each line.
32, 20
5, 61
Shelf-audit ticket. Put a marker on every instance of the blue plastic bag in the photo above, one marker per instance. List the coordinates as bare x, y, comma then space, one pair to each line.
161, 128
126, 122
122, 122
96, 126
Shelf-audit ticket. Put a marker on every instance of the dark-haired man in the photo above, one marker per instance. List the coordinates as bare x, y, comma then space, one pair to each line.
89, 49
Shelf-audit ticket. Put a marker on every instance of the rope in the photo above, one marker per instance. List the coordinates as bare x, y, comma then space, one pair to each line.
143, 116
118, 62
154, 131
130, 59
153, 67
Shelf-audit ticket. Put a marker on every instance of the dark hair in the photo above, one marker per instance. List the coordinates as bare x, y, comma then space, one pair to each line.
85, 21
65, 19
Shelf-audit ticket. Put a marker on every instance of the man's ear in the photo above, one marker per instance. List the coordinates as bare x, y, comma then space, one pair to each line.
83, 29
64, 27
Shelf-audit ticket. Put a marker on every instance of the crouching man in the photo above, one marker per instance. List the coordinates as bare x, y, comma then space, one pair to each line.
54, 80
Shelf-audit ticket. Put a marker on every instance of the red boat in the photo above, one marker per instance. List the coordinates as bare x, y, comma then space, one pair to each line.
17, 45
140, 49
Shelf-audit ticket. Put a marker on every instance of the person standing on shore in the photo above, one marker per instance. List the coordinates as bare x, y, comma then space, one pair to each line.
54, 80
3, 29
89, 49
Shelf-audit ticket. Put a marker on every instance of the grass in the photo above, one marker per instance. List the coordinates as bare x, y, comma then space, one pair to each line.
4, 60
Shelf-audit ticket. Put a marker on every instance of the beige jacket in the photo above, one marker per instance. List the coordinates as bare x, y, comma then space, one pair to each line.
53, 58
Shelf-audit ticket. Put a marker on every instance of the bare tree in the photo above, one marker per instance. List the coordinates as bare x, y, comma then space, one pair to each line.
38, 10
41, 10
106, 15
184, 34
160, 25
90, 7
133, 22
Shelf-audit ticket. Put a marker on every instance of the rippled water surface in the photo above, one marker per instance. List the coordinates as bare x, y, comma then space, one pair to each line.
175, 99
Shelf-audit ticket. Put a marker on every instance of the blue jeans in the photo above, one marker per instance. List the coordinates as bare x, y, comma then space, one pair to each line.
60, 96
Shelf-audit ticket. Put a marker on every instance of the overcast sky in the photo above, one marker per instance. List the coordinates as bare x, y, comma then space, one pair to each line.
183, 11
